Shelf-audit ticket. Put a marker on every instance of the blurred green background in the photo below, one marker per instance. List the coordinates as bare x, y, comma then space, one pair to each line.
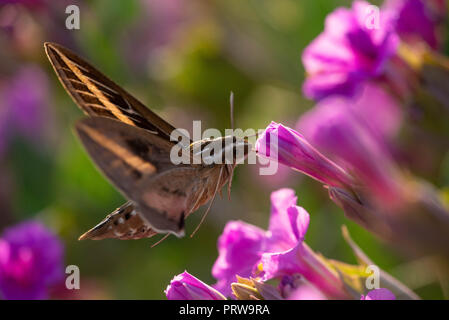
182, 59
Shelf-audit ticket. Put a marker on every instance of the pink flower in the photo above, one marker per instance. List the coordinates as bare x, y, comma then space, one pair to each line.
290, 148
31, 260
348, 52
379, 294
239, 249
280, 251
416, 20
186, 287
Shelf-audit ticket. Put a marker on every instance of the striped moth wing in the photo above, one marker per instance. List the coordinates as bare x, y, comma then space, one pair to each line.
97, 95
138, 163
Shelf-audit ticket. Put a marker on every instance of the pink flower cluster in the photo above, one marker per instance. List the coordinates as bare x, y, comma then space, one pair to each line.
349, 141
359, 76
277, 253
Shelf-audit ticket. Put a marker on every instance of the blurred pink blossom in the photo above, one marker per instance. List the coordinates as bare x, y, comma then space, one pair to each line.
347, 53
24, 105
417, 20
31, 260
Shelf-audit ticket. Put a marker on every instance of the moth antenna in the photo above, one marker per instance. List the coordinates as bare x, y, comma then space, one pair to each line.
210, 204
159, 241
231, 104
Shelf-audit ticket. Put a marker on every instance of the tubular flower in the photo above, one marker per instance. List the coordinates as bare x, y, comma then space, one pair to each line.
288, 147
186, 287
280, 251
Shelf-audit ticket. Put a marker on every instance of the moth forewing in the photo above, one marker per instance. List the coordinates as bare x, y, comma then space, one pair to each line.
97, 95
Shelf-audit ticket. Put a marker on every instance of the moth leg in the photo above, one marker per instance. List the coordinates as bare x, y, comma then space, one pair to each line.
231, 174
159, 241
210, 203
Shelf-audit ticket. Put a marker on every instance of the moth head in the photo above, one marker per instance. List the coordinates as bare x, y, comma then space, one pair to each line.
236, 149
246, 146
222, 150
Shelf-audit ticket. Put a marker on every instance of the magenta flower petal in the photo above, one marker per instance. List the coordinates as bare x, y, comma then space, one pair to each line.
186, 287
279, 264
239, 249
302, 260
288, 254
279, 239
299, 221
288, 222
347, 53
31, 260
379, 294
286, 146
416, 20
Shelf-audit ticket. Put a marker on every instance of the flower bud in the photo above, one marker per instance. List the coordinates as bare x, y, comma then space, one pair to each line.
186, 287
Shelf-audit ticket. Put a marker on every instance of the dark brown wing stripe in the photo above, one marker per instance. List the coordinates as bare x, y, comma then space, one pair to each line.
101, 111
78, 85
